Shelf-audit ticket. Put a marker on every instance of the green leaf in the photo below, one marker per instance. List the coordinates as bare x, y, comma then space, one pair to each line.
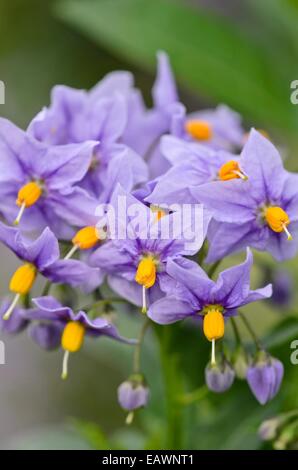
209, 54
283, 333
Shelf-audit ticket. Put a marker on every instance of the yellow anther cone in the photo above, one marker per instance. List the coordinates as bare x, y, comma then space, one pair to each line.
199, 130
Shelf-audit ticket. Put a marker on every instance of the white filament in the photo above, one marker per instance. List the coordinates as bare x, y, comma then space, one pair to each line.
213, 360
65, 365
241, 175
10, 309
71, 252
144, 306
20, 214
287, 232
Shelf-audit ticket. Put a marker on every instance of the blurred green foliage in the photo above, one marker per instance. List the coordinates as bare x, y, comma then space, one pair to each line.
248, 68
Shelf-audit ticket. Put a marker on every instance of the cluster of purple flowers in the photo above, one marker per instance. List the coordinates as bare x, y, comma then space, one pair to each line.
86, 149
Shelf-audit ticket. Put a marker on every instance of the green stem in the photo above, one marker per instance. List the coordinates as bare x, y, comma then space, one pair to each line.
138, 347
173, 385
46, 288
251, 331
213, 268
195, 396
102, 302
236, 331
202, 253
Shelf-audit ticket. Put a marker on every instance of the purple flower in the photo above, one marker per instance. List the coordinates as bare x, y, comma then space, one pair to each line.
219, 377
46, 335
264, 377
37, 181
74, 326
136, 260
101, 114
133, 394
219, 128
192, 294
261, 212
192, 165
16, 323
41, 256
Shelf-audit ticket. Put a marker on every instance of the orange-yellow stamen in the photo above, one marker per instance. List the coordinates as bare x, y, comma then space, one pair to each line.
20, 283
231, 170
278, 220
146, 272
199, 130
23, 279
214, 328
72, 341
146, 276
158, 211
214, 325
27, 196
86, 238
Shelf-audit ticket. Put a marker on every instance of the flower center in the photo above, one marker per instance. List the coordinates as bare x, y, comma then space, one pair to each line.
94, 162
20, 283
231, 170
71, 341
158, 211
277, 219
146, 272
199, 130
27, 196
214, 326
146, 277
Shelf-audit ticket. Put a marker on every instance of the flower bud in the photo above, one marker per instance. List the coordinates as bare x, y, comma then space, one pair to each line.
46, 335
268, 429
133, 393
264, 377
219, 377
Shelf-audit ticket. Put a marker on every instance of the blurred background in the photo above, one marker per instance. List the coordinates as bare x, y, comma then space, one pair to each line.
244, 54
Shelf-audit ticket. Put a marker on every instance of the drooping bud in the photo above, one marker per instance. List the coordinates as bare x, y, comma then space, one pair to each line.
264, 377
133, 394
268, 429
219, 377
